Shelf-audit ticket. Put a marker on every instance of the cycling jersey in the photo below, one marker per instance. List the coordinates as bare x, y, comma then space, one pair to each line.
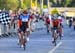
47, 20
23, 22
24, 18
55, 23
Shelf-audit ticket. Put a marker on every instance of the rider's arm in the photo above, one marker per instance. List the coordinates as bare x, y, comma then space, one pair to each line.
19, 22
29, 23
29, 20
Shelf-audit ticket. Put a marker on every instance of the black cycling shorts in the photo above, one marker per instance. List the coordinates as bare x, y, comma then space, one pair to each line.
55, 28
23, 27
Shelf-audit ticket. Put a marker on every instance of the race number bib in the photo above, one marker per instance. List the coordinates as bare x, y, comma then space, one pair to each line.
25, 20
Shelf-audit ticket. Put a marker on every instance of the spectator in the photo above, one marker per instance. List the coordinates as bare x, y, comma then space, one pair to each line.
70, 22
74, 23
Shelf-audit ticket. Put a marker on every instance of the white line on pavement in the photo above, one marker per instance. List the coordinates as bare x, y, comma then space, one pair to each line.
41, 40
47, 40
51, 51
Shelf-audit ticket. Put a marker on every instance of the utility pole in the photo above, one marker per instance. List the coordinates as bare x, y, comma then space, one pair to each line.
41, 5
31, 3
48, 4
36, 3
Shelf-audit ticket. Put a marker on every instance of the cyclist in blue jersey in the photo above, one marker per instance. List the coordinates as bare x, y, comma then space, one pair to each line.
24, 27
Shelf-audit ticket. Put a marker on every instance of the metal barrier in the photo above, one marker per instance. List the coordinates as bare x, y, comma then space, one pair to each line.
0, 29
5, 31
5, 28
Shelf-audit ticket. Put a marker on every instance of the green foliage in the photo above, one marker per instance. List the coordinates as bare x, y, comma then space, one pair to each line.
38, 4
12, 4
44, 6
54, 11
25, 4
9, 4
67, 2
2, 4
62, 3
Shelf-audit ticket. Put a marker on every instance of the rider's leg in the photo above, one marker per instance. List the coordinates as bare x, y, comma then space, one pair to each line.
19, 36
53, 35
62, 31
47, 28
27, 31
21, 39
27, 34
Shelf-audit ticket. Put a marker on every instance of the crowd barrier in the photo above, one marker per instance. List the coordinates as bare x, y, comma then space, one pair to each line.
7, 30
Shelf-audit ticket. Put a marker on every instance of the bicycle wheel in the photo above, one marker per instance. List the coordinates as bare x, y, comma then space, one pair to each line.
24, 42
24, 46
55, 38
54, 42
19, 43
60, 35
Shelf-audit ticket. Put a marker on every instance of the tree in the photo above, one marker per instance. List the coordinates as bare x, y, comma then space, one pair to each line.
73, 3
9, 4
67, 2
25, 3
2, 4
61, 3
12, 4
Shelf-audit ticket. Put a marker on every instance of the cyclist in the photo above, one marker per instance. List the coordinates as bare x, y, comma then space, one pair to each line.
48, 24
23, 26
74, 23
32, 22
55, 23
61, 24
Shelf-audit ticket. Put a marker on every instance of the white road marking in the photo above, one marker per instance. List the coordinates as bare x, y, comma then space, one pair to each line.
48, 40
52, 51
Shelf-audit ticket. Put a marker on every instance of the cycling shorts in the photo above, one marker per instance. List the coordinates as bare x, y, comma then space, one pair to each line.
55, 28
24, 27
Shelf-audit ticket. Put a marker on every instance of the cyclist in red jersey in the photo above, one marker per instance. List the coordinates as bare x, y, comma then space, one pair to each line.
56, 24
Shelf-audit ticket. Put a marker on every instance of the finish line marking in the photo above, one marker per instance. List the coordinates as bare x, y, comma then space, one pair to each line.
55, 47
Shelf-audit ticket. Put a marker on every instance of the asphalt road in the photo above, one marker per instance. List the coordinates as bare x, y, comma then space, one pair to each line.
41, 42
